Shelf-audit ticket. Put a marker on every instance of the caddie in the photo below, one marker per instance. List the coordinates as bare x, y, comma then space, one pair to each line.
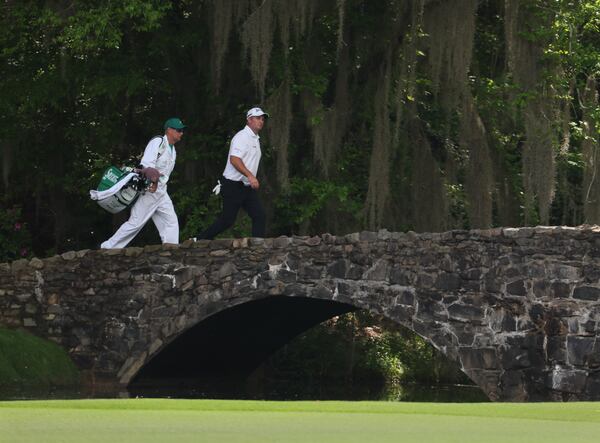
155, 203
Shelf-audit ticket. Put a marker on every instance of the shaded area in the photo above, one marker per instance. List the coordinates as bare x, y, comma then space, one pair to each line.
287, 348
215, 357
363, 356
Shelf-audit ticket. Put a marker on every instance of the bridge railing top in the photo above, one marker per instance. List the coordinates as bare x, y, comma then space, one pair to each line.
383, 235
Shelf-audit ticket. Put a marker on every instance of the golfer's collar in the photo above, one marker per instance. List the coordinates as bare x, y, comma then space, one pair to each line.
251, 132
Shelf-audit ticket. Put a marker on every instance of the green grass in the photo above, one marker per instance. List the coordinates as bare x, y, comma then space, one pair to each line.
29, 360
148, 421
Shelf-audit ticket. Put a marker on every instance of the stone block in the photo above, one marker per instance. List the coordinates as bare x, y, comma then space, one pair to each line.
310, 272
282, 242
378, 272
466, 313
406, 298
555, 326
286, 276
36, 263
313, 241
447, 282
501, 320
68, 256
399, 276
516, 288
566, 380
492, 283
561, 289
431, 310
255, 241
338, 268
512, 385
355, 272
368, 236
227, 269
19, 266
586, 293
579, 349
322, 292
592, 387
514, 358
23, 297
556, 350
472, 358
29, 322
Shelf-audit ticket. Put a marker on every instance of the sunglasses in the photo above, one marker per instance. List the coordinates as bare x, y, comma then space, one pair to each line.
177, 130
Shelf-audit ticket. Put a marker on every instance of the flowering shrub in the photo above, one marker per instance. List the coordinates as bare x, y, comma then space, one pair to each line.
15, 239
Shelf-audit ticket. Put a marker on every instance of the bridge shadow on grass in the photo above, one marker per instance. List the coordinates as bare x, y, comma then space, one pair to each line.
258, 350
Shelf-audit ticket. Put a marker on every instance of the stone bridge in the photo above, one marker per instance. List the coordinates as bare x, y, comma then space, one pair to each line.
518, 309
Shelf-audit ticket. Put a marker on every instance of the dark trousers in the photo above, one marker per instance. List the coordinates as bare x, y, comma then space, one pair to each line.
236, 196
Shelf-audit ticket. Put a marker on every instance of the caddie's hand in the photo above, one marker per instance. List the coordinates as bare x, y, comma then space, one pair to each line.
254, 184
153, 186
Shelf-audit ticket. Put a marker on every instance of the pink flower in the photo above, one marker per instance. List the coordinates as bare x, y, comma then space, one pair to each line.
24, 252
18, 226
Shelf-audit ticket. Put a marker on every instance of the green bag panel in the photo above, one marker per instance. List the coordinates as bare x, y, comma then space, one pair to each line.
111, 176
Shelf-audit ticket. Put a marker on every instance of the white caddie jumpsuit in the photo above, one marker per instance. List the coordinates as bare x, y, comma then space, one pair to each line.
157, 205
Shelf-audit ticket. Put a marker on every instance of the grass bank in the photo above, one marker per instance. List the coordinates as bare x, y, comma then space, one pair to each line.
26, 360
146, 420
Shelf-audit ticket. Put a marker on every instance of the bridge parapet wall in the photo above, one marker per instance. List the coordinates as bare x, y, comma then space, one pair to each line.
518, 308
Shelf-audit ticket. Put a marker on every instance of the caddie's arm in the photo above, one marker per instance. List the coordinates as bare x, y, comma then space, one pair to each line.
241, 167
149, 159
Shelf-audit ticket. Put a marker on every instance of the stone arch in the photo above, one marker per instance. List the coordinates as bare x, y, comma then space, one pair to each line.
235, 340
377, 298
518, 308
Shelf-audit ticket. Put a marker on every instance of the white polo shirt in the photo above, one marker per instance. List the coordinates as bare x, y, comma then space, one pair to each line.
161, 156
245, 145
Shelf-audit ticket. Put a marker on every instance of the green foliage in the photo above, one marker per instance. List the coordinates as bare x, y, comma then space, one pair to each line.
15, 239
302, 201
85, 84
360, 347
26, 360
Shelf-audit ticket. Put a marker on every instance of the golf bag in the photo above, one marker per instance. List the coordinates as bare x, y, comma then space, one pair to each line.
118, 189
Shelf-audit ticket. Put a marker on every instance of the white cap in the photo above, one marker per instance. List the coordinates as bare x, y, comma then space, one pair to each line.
256, 112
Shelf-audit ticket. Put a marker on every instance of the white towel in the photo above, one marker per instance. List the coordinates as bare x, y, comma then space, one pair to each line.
101, 195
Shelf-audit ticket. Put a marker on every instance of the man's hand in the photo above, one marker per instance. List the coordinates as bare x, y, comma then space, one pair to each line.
254, 184
153, 186
241, 167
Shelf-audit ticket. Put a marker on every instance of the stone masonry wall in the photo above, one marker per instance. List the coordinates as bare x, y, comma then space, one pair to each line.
518, 308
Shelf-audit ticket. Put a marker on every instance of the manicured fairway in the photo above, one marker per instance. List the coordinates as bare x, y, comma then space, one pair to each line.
145, 420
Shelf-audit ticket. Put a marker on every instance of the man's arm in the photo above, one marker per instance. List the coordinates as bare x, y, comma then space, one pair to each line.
241, 167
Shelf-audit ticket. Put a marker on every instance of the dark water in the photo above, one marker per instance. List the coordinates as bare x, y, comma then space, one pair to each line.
273, 390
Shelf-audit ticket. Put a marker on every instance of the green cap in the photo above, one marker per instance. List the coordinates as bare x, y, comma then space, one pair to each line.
174, 123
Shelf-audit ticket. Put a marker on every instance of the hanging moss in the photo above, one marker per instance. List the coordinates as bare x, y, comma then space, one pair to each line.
539, 115
450, 26
279, 104
259, 28
429, 203
257, 38
328, 126
379, 172
479, 177
222, 23
591, 157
